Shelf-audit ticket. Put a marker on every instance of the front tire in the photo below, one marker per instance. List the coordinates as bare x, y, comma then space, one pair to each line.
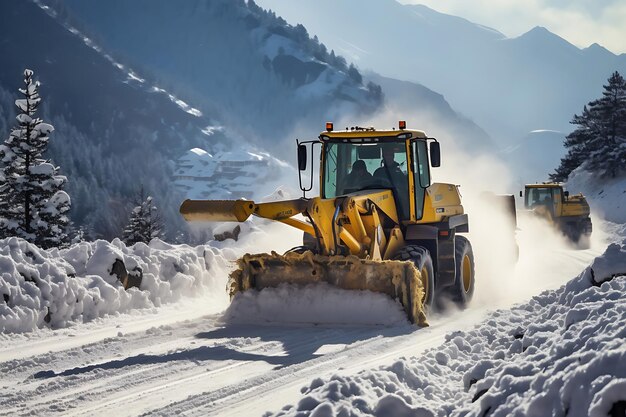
463, 289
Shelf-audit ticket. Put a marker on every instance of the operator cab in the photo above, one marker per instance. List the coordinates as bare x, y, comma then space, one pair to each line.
547, 196
366, 159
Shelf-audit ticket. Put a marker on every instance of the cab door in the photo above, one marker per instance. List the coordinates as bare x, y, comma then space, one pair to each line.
420, 170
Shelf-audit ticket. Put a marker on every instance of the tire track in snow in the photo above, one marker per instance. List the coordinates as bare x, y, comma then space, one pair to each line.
196, 382
96, 386
254, 396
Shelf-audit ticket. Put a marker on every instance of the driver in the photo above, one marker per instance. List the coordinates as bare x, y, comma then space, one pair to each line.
359, 176
390, 172
391, 169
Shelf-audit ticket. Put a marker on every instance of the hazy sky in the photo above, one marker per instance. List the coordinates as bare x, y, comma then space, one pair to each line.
581, 22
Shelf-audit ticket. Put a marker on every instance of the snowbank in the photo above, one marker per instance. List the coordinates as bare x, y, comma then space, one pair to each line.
57, 287
607, 196
562, 353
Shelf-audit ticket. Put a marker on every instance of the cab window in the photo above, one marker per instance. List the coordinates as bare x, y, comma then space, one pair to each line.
538, 196
350, 167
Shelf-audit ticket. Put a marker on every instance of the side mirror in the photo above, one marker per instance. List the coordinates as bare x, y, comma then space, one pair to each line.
302, 157
521, 194
566, 194
435, 154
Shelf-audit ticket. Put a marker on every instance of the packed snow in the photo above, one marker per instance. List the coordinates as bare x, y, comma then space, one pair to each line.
561, 353
105, 328
58, 287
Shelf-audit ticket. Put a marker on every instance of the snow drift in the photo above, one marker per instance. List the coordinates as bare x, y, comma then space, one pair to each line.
56, 288
607, 197
560, 353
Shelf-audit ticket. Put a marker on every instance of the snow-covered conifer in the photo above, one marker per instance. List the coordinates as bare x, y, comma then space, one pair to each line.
145, 222
354, 74
599, 141
33, 204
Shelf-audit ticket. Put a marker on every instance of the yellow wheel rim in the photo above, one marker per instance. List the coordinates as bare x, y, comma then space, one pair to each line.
467, 273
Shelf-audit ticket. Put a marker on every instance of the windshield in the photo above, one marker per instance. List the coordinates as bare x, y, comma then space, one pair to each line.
350, 167
538, 196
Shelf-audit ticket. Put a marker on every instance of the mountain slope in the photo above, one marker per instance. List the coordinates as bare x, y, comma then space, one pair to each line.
113, 133
428, 110
508, 86
231, 57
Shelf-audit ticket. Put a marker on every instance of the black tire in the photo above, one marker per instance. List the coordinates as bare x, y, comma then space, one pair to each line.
463, 289
420, 256
573, 232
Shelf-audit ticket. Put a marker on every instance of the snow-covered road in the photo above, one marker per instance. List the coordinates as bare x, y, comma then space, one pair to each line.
196, 365
176, 360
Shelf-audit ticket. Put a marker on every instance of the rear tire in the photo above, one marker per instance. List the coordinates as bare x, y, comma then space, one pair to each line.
420, 257
463, 289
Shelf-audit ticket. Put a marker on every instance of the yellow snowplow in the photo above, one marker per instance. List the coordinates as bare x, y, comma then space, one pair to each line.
569, 214
379, 224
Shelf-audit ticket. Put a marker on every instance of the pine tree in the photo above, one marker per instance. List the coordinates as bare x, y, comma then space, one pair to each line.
33, 204
145, 222
599, 141
609, 150
354, 74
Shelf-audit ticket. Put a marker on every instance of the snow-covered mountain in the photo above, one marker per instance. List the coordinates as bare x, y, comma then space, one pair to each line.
265, 78
113, 132
230, 174
508, 86
117, 128
277, 72
109, 114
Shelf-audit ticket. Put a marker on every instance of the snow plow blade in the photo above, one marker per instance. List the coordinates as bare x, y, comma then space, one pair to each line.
398, 279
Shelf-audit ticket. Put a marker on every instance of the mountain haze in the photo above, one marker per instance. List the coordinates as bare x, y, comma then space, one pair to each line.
508, 86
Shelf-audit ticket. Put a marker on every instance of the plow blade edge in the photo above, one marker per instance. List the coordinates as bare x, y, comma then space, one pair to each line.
398, 279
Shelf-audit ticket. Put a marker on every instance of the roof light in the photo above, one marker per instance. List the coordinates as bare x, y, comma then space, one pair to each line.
402, 124
329, 126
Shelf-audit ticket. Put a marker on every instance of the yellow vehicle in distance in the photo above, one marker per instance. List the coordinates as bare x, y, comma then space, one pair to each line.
379, 223
569, 214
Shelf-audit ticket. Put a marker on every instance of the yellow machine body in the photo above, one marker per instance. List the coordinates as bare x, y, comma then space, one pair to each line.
352, 236
570, 214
